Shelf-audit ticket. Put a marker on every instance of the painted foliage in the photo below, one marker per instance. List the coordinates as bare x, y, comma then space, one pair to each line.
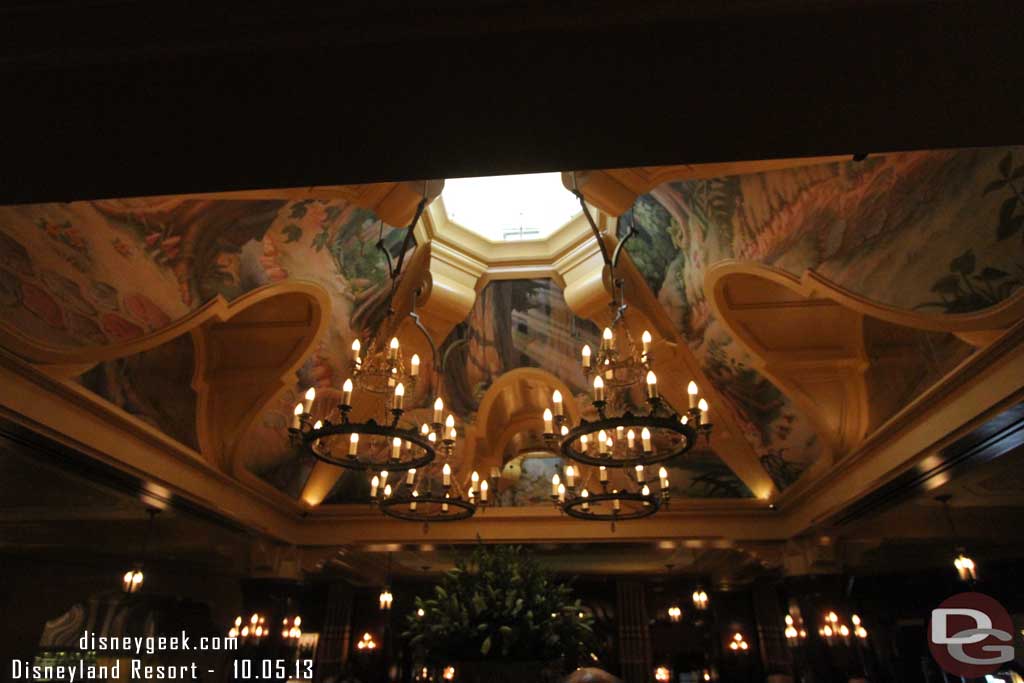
103, 272
933, 231
526, 323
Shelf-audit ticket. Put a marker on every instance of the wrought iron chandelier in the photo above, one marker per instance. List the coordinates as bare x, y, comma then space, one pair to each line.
621, 446
433, 493
386, 445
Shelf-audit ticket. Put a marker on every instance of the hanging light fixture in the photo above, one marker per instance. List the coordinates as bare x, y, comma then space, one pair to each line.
132, 580
253, 631
858, 627
675, 614
291, 629
385, 598
435, 493
662, 674
794, 636
834, 630
621, 441
382, 376
700, 599
366, 643
738, 644
966, 568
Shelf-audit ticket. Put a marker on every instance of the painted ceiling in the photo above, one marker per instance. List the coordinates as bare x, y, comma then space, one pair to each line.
927, 231
937, 231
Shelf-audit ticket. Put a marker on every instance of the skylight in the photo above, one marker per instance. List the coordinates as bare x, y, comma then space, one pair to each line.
510, 207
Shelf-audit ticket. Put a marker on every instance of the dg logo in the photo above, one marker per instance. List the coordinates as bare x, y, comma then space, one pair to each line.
970, 635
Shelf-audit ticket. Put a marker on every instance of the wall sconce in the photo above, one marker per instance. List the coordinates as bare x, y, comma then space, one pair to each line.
675, 613
700, 599
449, 673
662, 674
385, 598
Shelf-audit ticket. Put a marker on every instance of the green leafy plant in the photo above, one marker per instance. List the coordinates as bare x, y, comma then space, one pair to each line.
498, 603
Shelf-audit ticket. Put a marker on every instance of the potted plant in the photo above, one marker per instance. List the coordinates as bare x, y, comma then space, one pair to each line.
498, 616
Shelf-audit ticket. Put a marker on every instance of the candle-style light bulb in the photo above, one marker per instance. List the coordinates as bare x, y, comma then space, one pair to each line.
387, 490
446, 475
663, 477
646, 339
631, 439
556, 402
565, 431
310, 396
438, 410
702, 405
374, 485
316, 426
356, 348
570, 476
410, 476
602, 442
399, 397
393, 348
586, 353
598, 388
353, 444
652, 384
414, 365
297, 416
639, 473
561, 493
483, 491
602, 474
584, 443
346, 392
396, 448
474, 479
691, 392
585, 494
645, 438
616, 503
549, 425
555, 482
607, 338
412, 503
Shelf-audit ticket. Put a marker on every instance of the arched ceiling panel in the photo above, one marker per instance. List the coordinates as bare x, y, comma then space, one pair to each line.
932, 231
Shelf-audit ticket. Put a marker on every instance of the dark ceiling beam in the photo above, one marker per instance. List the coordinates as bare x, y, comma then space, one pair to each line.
1000, 436
123, 98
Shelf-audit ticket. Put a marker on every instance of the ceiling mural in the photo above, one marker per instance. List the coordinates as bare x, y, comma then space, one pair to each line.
934, 231
100, 272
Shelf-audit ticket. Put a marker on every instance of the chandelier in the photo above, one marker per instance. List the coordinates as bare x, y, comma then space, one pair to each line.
381, 377
132, 580
433, 493
966, 569
625, 442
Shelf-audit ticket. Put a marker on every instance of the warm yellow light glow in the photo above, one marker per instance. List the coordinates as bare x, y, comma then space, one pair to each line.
549, 424
414, 365
662, 674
